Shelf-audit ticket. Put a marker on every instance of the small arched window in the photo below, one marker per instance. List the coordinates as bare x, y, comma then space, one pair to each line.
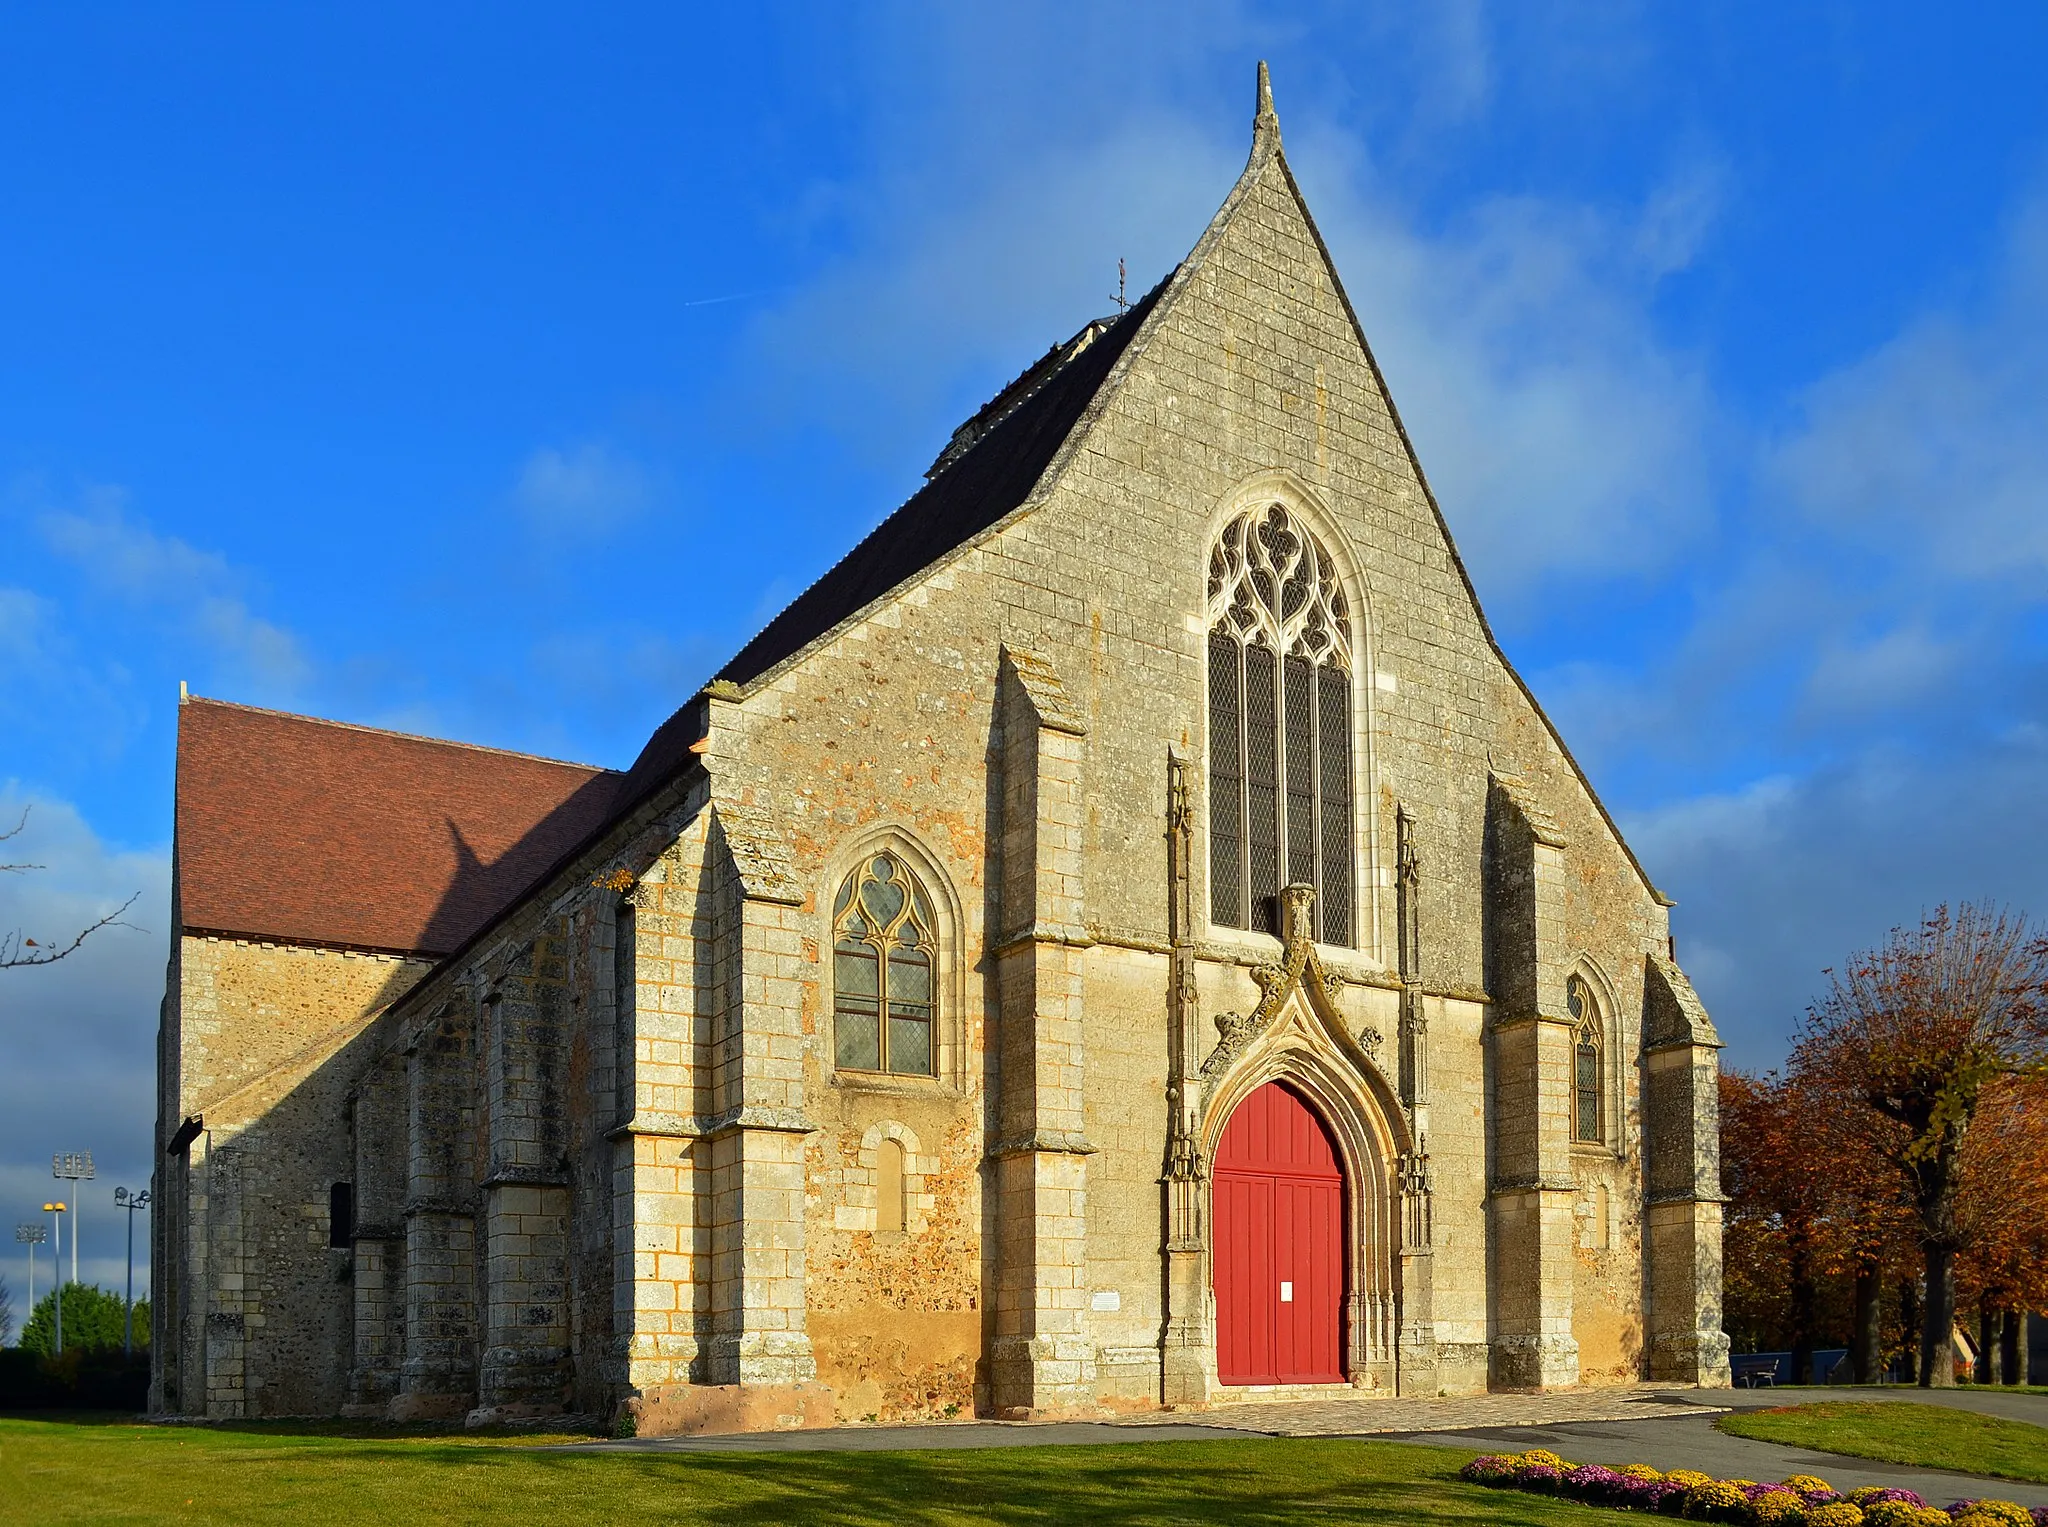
1588, 1073
1279, 726
884, 986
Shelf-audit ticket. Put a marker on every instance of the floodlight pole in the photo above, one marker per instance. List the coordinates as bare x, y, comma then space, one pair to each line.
131, 1202
31, 1234
56, 1213
71, 1166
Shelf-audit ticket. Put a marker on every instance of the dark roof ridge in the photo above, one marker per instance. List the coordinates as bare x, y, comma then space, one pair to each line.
396, 735
868, 572
1018, 391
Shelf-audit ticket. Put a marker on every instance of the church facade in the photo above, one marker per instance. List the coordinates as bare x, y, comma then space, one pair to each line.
1125, 936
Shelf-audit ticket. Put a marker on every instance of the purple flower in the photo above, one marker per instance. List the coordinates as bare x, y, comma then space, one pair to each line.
1868, 1497
1491, 1469
1539, 1476
2041, 1516
1591, 1483
1822, 1497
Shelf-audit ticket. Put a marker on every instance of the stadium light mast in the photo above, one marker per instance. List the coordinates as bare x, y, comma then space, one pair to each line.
131, 1202
31, 1233
72, 1166
56, 1213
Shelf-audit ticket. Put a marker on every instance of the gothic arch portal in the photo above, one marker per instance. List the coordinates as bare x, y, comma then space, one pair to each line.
1297, 1037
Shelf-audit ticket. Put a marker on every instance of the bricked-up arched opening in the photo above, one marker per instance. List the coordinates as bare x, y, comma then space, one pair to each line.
1279, 1244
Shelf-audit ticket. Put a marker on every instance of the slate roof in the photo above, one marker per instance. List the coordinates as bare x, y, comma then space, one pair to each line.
974, 483
317, 832
987, 469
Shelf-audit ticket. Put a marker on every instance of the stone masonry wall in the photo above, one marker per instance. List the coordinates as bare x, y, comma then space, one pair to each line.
270, 1038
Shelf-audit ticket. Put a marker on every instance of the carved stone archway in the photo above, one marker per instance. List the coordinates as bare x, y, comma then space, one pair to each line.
1298, 1035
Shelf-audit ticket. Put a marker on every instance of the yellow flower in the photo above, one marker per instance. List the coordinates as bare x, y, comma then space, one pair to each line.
1834, 1514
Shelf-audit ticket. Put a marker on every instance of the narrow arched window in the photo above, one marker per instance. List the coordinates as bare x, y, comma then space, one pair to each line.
1587, 1071
1279, 726
884, 986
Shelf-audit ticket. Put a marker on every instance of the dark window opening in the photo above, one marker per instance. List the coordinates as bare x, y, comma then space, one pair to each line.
341, 1215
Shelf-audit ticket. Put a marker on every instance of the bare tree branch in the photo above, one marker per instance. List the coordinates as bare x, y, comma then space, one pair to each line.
15, 832
16, 947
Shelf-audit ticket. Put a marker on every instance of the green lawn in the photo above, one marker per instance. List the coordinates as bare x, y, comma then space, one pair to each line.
65, 1471
1925, 1436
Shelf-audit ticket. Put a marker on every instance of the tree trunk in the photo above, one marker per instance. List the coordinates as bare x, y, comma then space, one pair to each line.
1984, 1370
1865, 1349
1937, 1331
1802, 1315
2009, 1353
1909, 1346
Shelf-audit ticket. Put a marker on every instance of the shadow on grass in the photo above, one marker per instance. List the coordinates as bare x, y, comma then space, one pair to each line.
1256, 1482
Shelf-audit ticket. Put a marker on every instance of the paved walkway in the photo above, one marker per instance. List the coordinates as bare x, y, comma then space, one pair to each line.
1360, 1413
1663, 1426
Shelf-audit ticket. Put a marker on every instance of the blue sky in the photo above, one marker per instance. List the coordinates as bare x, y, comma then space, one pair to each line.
493, 372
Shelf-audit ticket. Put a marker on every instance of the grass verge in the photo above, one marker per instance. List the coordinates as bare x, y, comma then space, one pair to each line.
1892, 1431
69, 1471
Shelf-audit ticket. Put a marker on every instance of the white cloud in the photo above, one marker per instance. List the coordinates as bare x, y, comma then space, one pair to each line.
1897, 667
584, 489
201, 592
1933, 448
78, 1036
1785, 877
949, 295
24, 629
1561, 433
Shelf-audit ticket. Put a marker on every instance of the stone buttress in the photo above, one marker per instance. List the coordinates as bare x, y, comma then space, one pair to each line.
1683, 1146
1041, 1359
1532, 1191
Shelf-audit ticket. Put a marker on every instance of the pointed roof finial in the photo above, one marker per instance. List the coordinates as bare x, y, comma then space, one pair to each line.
1265, 121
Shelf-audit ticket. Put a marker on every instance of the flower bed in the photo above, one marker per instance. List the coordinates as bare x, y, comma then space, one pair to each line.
1800, 1501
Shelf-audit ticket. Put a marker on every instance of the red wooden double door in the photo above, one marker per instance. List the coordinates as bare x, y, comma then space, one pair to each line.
1278, 1245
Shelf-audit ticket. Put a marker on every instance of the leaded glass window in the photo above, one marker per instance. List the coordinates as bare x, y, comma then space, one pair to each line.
1587, 1072
1280, 803
884, 983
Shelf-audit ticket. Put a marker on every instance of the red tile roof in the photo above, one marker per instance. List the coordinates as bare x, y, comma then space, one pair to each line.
318, 832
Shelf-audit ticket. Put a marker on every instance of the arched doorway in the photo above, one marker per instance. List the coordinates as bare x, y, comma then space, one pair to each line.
1279, 1244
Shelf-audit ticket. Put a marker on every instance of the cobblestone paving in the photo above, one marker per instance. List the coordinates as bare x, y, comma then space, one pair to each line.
1363, 1414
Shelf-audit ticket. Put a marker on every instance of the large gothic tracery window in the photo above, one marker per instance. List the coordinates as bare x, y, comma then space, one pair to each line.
884, 950
1279, 726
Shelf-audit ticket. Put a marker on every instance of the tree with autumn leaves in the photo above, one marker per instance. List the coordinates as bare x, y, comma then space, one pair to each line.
1906, 1145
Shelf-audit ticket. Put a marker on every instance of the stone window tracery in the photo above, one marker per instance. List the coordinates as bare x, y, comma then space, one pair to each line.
1588, 1070
884, 977
1279, 725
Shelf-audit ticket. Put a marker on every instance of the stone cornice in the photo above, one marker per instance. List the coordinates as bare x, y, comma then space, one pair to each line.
696, 1126
1044, 1142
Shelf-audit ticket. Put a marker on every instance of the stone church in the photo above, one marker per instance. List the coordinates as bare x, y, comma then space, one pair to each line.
1124, 937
